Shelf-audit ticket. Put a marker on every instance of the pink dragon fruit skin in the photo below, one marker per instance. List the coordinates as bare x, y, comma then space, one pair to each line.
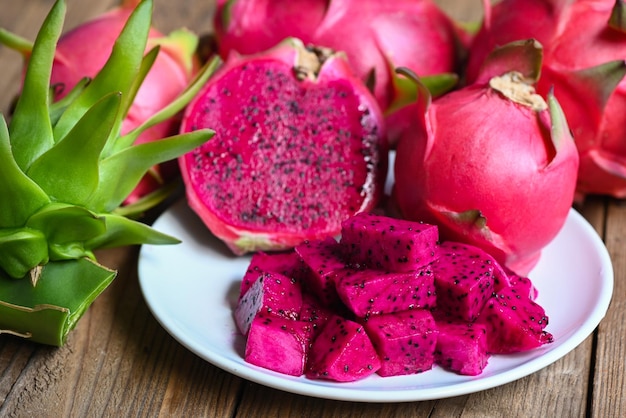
342, 352
376, 36
464, 278
251, 26
461, 347
270, 294
488, 170
368, 292
585, 72
278, 344
405, 341
514, 323
295, 152
383, 243
83, 51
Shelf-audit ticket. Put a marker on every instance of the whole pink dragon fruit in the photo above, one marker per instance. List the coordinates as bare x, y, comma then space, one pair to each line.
376, 36
299, 147
492, 164
586, 72
83, 51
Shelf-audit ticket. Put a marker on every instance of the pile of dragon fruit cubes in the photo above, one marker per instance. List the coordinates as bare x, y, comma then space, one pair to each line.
387, 298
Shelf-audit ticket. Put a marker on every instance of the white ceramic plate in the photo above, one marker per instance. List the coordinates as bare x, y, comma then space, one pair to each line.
191, 289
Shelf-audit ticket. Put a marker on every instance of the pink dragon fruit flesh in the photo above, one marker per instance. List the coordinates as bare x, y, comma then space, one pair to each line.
342, 352
383, 243
368, 292
405, 341
514, 323
272, 293
299, 147
285, 263
322, 258
278, 344
385, 322
464, 278
492, 164
314, 312
462, 347
586, 74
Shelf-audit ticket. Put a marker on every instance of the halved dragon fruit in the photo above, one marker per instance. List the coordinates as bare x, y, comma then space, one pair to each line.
299, 148
405, 341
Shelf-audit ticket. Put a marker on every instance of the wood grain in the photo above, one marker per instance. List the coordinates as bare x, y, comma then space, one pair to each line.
120, 362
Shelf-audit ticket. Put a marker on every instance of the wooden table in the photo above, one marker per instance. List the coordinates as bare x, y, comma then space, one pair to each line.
120, 362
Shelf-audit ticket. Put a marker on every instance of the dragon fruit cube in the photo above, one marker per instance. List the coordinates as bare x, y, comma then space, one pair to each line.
372, 292
514, 322
321, 258
278, 344
405, 341
389, 244
464, 279
271, 293
286, 263
342, 352
462, 347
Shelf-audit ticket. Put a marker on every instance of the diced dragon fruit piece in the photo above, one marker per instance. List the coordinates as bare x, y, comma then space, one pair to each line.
372, 292
272, 293
524, 285
514, 322
389, 244
464, 279
286, 263
314, 312
462, 347
342, 352
278, 344
405, 341
322, 258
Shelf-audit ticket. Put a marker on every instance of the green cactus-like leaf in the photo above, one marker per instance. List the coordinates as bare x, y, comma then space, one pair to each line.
21, 249
30, 128
73, 180
122, 231
46, 313
21, 196
121, 172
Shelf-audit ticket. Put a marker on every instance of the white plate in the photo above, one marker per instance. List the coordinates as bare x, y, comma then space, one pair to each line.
191, 289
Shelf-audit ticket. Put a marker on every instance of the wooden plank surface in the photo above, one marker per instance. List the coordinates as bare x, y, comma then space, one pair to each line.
120, 362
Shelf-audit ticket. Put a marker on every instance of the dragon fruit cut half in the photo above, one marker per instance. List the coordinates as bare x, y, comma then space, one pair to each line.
585, 72
493, 164
299, 147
